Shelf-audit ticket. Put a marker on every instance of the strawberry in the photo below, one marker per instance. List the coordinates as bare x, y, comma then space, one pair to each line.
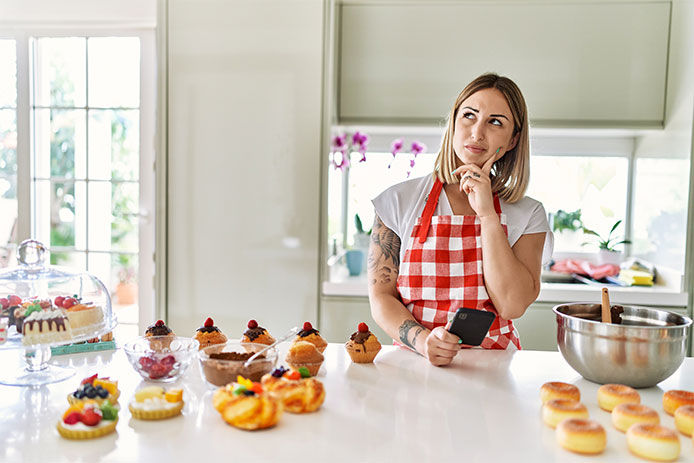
308, 326
91, 416
73, 418
168, 360
59, 301
146, 362
5, 302
90, 379
14, 300
209, 323
158, 370
252, 324
257, 388
69, 302
159, 323
363, 328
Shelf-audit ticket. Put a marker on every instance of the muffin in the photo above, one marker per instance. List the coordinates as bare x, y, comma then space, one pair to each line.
309, 334
305, 354
164, 335
208, 334
257, 334
154, 403
363, 345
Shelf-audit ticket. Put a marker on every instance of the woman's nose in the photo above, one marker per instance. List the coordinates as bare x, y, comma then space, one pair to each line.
478, 132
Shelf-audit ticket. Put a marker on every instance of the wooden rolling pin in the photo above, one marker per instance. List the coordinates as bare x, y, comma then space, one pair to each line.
606, 312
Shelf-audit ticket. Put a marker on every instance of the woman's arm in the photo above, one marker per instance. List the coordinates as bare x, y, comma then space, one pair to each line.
439, 346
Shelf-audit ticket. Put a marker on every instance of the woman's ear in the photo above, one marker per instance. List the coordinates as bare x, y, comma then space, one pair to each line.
514, 141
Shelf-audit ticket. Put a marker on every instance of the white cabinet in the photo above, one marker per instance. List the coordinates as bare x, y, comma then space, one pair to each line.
578, 64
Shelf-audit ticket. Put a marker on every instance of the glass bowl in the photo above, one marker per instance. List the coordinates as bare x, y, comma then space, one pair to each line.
221, 364
161, 358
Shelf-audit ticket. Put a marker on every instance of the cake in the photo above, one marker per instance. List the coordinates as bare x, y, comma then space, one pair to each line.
45, 326
87, 420
84, 318
310, 334
257, 334
208, 334
298, 392
154, 403
245, 405
305, 354
363, 345
95, 389
162, 335
9, 305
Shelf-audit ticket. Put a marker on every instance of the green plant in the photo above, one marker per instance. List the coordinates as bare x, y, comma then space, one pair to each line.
608, 243
563, 220
358, 225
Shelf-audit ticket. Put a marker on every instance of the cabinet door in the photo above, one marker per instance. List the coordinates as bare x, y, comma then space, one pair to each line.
582, 64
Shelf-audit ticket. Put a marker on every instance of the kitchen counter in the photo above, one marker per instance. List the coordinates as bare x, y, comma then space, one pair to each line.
484, 407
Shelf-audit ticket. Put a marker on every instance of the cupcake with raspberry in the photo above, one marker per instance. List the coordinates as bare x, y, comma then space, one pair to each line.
363, 345
208, 334
160, 335
310, 334
257, 334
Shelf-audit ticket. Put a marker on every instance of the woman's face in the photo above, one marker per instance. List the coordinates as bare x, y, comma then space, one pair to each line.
483, 125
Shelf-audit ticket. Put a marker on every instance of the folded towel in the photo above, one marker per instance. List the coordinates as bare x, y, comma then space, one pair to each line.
583, 267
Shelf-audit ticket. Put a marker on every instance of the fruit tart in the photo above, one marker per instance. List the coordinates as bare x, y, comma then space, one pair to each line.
161, 336
298, 392
97, 390
257, 334
310, 334
363, 345
304, 354
208, 334
154, 403
87, 420
245, 405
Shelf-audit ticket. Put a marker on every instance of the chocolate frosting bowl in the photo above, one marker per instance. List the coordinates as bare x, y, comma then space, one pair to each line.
644, 349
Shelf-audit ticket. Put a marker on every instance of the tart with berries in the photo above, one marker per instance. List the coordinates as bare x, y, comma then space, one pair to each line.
87, 420
208, 334
246, 405
298, 392
95, 389
306, 355
257, 334
310, 334
363, 345
155, 403
161, 336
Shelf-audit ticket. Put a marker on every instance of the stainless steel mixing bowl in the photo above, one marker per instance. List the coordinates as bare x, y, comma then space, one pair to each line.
646, 348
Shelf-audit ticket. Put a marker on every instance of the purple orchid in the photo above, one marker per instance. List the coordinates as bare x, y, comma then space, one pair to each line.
417, 148
339, 142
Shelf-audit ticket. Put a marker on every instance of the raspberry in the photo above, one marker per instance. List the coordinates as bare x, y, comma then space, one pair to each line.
252, 324
146, 362
209, 323
158, 370
73, 418
159, 323
363, 328
14, 300
168, 360
308, 326
59, 301
91, 417
89, 380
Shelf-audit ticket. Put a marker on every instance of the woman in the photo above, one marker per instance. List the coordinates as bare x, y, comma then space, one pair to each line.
465, 236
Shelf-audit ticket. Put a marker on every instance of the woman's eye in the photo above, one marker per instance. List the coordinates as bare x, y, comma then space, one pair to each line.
495, 122
469, 115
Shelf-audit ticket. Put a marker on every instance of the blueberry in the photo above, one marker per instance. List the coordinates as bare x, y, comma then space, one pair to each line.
91, 394
76, 394
103, 393
249, 393
80, 394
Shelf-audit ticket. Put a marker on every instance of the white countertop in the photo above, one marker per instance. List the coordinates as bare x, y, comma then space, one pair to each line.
485, 407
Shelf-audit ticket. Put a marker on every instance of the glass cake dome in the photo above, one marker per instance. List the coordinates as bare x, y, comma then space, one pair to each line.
43, 306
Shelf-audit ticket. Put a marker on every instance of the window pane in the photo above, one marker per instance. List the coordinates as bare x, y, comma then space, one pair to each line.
8, 144
595, 185
60, 72
114, 72
124, 228
661, 190
60, 143
62, 214
8, 73
114, 143
75, 260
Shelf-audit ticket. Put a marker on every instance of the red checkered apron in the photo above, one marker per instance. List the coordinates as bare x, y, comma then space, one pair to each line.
442, 271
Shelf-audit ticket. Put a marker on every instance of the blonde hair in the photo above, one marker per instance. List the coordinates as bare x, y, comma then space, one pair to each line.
511, 173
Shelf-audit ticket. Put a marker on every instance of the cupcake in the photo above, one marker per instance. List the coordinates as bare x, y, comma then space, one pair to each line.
309, 334
154, 403
208, 334
257, 334
304, 354
162, 334
88, 420
363, 345
245, 405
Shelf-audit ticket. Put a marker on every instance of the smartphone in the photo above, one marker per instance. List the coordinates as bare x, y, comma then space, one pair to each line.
471, 325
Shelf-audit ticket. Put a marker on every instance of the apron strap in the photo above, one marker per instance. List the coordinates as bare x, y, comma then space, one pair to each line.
428, 212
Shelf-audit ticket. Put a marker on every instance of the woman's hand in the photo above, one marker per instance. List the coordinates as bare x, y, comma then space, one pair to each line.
477, 185
440, 346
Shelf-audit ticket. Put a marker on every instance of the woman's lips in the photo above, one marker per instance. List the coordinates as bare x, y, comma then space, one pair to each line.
475, 149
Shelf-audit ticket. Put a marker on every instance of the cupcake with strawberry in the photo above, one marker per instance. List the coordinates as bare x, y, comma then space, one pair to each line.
155, 403
160, 336
208, 334
257, 334
363, 345
87, 420
310, 334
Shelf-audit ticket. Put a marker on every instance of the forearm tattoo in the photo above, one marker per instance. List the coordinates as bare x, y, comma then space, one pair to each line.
384, 255
404, 332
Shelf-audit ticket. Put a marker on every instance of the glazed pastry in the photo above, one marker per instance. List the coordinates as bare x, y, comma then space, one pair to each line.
45, 326
363, 345
298, 392
556, 410
257, 334
95, 389
305, 354
684, 419
162, 334
653, 442
581, 436
611, 395
153, 403
88, 420
624, 415
559, 390
245, 405
674, 399
309, 334
208, 334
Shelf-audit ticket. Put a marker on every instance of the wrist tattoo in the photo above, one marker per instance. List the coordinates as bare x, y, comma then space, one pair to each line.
404, 331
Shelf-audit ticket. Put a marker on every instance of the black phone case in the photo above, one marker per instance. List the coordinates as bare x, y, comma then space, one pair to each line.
471, 325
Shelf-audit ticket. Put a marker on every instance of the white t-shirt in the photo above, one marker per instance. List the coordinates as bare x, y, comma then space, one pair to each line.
401, 205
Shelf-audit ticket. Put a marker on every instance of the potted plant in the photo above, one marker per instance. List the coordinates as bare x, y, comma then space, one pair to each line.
607, 253
126, 290
567, 224
361, 237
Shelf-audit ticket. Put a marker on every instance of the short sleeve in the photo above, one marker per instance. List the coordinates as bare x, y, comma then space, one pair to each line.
538, 223
386, 207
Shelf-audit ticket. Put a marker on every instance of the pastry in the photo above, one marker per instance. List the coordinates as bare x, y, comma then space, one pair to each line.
559, 390
245, 405
363, 345
581, 436
257, 334
45, 326
9, 305
208, 334
95, 389
556, 410
624, 415
153, 403
684, 419
84, 319
88, 420
161, 336
298, 392
674, 399
309, 334
305, 354
653, 442
611, 395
